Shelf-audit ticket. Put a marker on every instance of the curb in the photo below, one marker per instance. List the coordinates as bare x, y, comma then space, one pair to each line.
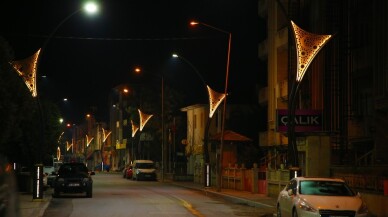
238, 200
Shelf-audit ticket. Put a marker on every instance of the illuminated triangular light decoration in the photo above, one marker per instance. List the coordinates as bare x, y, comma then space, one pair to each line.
307, 47
60, 137
215, 100
134, 128
27, 68
105, 134
144, 118
68, 146
88, 141
59, 153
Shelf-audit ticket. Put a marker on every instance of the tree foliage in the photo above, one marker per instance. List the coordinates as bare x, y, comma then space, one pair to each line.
26, 135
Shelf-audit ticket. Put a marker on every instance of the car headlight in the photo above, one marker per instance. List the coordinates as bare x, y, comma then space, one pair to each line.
306, 207
85, 180
60, 179
363, 209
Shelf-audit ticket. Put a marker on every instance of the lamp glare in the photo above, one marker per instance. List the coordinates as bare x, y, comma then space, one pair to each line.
193, 23
91, 7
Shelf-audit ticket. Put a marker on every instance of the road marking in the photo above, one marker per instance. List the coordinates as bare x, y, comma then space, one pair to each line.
190, 207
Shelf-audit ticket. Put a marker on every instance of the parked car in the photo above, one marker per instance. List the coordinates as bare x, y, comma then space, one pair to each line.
127, 172
124, 171
73, 178
304, 196
144, 170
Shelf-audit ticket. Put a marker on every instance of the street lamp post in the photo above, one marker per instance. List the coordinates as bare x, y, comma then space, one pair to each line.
139, 70
144, 118
29, 76
307, 47
219, 168
135, 128
174, 55
105, 135
215, 99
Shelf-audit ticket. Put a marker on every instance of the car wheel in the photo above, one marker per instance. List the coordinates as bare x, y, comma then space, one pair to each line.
294, 214
278, 212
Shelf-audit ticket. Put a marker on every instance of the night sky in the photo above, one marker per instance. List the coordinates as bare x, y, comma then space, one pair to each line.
89, 55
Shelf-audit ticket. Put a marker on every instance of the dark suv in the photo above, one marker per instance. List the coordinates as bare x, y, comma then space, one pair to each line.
73, 178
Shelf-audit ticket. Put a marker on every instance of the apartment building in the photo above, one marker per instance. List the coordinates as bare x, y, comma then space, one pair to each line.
346, 83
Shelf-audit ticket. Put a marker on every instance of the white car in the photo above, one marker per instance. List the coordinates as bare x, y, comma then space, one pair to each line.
304, 196
144, 170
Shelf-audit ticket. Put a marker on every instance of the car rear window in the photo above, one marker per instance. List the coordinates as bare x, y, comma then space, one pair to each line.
325, 188
145, 165
73, 168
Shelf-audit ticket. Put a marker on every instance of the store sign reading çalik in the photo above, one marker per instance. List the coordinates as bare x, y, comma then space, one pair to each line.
305, 120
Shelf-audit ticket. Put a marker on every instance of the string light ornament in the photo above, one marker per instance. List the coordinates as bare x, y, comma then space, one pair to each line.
134, 129
144, 118
105, 134
307, 47
58, 153
26, 69
60, 137
68, 145
215, 100
88, 141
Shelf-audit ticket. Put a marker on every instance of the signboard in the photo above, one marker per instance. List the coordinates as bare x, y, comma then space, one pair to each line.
120, 146
305, 120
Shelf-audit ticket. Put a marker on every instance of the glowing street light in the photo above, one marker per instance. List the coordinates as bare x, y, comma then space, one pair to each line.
105, 135
229, 34
27, 69
215, 100
307, 47
144, 118
88, 140
138, 70
69, 145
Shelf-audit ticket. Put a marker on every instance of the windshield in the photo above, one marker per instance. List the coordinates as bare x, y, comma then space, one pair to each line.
145, 165
325, 188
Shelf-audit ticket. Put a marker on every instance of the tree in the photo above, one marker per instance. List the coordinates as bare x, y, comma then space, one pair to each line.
21, 138
16, 106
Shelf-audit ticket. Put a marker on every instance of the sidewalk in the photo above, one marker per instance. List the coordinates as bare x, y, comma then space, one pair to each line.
31, 208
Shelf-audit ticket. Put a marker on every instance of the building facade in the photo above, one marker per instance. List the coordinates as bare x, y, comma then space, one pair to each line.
347, 82
197, 118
